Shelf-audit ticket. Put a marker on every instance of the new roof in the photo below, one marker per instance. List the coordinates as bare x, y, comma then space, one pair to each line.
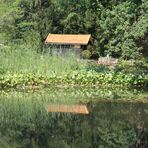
72, 39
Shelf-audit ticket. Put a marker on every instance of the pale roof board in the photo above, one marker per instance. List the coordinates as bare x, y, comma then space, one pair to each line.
72, 39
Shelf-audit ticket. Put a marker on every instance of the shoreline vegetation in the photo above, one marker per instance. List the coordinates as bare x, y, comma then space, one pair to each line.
118, 30
88, 78
25, 68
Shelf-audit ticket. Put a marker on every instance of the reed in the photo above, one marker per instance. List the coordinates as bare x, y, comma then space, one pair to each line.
25, 60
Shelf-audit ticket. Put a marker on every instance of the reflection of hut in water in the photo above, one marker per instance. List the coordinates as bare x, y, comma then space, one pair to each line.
60, 44
77, 109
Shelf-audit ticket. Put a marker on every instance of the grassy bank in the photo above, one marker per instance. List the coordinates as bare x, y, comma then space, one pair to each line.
25, 60
21, 68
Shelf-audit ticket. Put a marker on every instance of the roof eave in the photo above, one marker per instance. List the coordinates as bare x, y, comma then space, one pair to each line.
56, 43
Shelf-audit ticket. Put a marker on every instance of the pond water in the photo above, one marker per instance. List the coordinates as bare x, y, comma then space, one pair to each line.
117, 118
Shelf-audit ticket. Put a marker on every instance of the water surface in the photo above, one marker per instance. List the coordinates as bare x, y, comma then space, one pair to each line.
118, 118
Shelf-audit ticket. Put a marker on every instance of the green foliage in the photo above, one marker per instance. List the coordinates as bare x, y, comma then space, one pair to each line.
98, 68
119, 28
72, 23
136, 67
26, 68
86, 54
35, 15
25, 59
90, 78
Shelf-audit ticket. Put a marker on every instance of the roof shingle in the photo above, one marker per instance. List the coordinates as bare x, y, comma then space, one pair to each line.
72, 39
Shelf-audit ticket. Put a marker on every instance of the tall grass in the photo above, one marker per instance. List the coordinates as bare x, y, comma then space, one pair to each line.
25, 60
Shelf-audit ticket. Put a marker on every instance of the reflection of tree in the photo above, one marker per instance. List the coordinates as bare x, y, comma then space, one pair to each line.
109, 125
115, 125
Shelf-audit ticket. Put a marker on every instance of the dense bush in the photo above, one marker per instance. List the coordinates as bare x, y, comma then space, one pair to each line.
131, 66
86, 54
98, 68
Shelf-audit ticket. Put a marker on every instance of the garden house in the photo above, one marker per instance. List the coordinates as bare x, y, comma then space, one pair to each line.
63, 43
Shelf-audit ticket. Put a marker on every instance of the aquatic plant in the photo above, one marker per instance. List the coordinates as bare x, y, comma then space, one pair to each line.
74, 78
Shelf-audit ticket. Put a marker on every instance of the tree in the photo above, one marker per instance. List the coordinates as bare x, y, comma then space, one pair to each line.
119, 28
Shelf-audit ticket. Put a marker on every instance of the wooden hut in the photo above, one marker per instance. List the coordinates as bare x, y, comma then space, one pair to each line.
64, 43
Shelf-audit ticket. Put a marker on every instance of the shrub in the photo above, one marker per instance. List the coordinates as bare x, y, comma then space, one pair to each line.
98, 68
132, 66
86, 54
